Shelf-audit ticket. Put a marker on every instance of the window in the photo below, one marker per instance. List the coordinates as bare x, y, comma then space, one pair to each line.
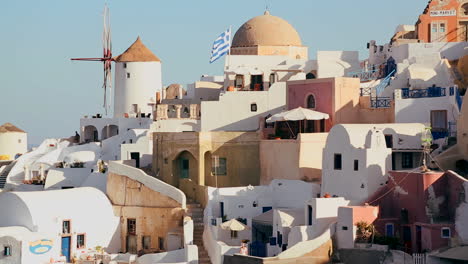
310, 76
434, 28
253, 107
272, 79
407, 160
7, 251
344, 228
445, 232
389, 230
233, 234
356, 165
66, 228
439, 120
337, 162
311, 101
146, 242
128, 75
161, 243
131, 226
389, 141
80, 241
239, 81
442, 27
125, 65
219, 166
464, 10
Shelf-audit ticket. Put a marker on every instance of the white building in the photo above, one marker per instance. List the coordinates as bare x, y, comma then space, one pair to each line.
52, 223
138, 79
266, 53
357, 157
13, 142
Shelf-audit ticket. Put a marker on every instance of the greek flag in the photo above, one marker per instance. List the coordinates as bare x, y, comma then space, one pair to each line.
221, 45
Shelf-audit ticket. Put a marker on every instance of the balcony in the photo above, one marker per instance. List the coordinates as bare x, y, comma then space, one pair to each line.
430, 92
381, 102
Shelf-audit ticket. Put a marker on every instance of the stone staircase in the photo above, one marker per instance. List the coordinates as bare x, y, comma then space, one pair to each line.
195, 211
4, 174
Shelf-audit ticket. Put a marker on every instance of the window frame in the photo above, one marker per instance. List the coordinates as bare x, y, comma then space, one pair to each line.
84, 241
403, 160
217, 172
242, 78
69, 227
253, 107
432, 120
308, 100
340, 167
134, 229
446, 229
7, 251
393, 229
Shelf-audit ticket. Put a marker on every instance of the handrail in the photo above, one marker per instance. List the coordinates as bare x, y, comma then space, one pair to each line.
381, 86
154, 184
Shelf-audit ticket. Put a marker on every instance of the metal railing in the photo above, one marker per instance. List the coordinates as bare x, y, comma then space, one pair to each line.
382, 85
406, 93
381, 102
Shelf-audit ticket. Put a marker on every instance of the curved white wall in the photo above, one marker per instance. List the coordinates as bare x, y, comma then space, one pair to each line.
12, 143
142, 83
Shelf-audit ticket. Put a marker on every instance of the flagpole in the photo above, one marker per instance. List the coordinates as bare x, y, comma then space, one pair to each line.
230, 43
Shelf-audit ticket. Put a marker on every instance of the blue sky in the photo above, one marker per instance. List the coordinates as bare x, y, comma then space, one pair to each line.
44, 93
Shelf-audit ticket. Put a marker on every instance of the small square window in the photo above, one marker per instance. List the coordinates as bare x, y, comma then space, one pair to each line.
128, 75
344, 228
219, 166
356, 165
338, 162
446, 232
233, 234
80, 241
7, 251
253, 107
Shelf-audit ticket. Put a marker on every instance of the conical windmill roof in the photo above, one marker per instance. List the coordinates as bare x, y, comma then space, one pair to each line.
137, 52
9, 127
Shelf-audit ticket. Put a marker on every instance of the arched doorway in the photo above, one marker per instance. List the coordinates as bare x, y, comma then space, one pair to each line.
91, 134
184, 166
109, 131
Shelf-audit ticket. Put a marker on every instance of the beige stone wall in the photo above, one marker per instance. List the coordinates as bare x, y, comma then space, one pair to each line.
241, 149
155, 213
294, 52
292, 159
350, 108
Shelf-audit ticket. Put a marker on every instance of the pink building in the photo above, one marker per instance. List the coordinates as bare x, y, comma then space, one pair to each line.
420, 210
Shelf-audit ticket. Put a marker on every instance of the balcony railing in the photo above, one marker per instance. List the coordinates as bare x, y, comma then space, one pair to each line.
430, 92
381, 102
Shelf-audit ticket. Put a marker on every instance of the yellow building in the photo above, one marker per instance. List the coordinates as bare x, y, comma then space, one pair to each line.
193, 160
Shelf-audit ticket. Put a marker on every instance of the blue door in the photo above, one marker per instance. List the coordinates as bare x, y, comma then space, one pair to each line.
184, 168
66, 247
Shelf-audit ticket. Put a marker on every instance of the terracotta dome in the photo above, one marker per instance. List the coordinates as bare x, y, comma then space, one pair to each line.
266, 30
137, 52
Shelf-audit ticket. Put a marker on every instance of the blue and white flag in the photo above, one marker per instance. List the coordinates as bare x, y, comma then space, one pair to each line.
221, 45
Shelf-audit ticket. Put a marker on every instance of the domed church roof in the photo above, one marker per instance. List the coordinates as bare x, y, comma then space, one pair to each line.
137, 52
266, 30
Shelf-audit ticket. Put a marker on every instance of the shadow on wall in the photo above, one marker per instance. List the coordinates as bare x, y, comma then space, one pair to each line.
235, 126
351, 113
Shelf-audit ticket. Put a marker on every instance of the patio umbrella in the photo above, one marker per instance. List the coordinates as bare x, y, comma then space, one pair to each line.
233, 225
297, 115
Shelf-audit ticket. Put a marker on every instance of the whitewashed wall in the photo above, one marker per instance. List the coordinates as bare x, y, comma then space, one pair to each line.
13, 143
145, 80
